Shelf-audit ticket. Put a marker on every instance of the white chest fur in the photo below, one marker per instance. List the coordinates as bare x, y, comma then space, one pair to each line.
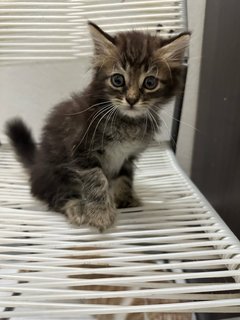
117, 153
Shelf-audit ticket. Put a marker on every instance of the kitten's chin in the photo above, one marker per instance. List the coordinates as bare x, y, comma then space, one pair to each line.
132, 113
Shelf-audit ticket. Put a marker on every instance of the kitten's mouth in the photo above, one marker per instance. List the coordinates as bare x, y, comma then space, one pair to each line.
131, 107
131, 111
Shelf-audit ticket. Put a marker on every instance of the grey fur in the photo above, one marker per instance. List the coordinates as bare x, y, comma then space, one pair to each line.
84, 165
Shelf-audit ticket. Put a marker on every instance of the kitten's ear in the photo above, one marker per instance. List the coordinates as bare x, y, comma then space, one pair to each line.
173, 52
103, 42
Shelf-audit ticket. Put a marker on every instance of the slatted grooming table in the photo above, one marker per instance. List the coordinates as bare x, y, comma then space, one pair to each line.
176, 230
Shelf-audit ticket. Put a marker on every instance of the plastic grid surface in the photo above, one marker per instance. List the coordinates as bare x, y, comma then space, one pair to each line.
175, 248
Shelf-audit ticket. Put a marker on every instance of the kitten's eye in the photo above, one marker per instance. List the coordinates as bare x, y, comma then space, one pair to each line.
150, 82
117, 80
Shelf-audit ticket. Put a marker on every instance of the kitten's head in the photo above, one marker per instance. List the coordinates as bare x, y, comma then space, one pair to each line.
137, 71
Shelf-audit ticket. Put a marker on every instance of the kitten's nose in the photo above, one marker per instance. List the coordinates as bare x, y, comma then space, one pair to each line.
131, 100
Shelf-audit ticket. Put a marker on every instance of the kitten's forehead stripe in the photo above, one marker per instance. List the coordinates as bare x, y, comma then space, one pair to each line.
137, 48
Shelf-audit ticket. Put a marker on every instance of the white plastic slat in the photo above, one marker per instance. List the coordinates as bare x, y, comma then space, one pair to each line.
56, 30
175, 247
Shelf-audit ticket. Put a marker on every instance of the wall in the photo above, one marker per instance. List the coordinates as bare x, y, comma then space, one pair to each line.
196, 15
30, 90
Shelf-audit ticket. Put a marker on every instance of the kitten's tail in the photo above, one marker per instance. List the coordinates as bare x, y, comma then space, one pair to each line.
22, 141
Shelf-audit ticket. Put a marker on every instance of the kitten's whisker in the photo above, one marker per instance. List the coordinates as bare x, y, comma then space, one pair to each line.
92, 106
111, 127
180, 121
156, 125
99, 112
151, 121
106, 122
169, 133
114, 118
168, 130
95, 130
153, 127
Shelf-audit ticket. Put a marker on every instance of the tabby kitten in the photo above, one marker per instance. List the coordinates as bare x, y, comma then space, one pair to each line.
84, 164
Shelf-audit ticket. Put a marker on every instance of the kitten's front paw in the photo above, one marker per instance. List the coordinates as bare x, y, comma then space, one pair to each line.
74, 212
99, 216
94, 215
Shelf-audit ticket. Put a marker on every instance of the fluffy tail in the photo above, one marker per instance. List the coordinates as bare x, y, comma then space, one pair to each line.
22, 141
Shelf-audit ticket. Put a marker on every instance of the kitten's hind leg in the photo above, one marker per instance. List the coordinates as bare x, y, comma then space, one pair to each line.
122, 188
95, 207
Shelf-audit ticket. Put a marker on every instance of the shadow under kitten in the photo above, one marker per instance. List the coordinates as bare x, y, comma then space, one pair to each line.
109, 288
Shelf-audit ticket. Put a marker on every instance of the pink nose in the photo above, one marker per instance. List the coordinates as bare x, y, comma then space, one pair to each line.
132, 100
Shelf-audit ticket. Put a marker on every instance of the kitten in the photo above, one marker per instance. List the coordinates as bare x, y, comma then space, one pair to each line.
84, 165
